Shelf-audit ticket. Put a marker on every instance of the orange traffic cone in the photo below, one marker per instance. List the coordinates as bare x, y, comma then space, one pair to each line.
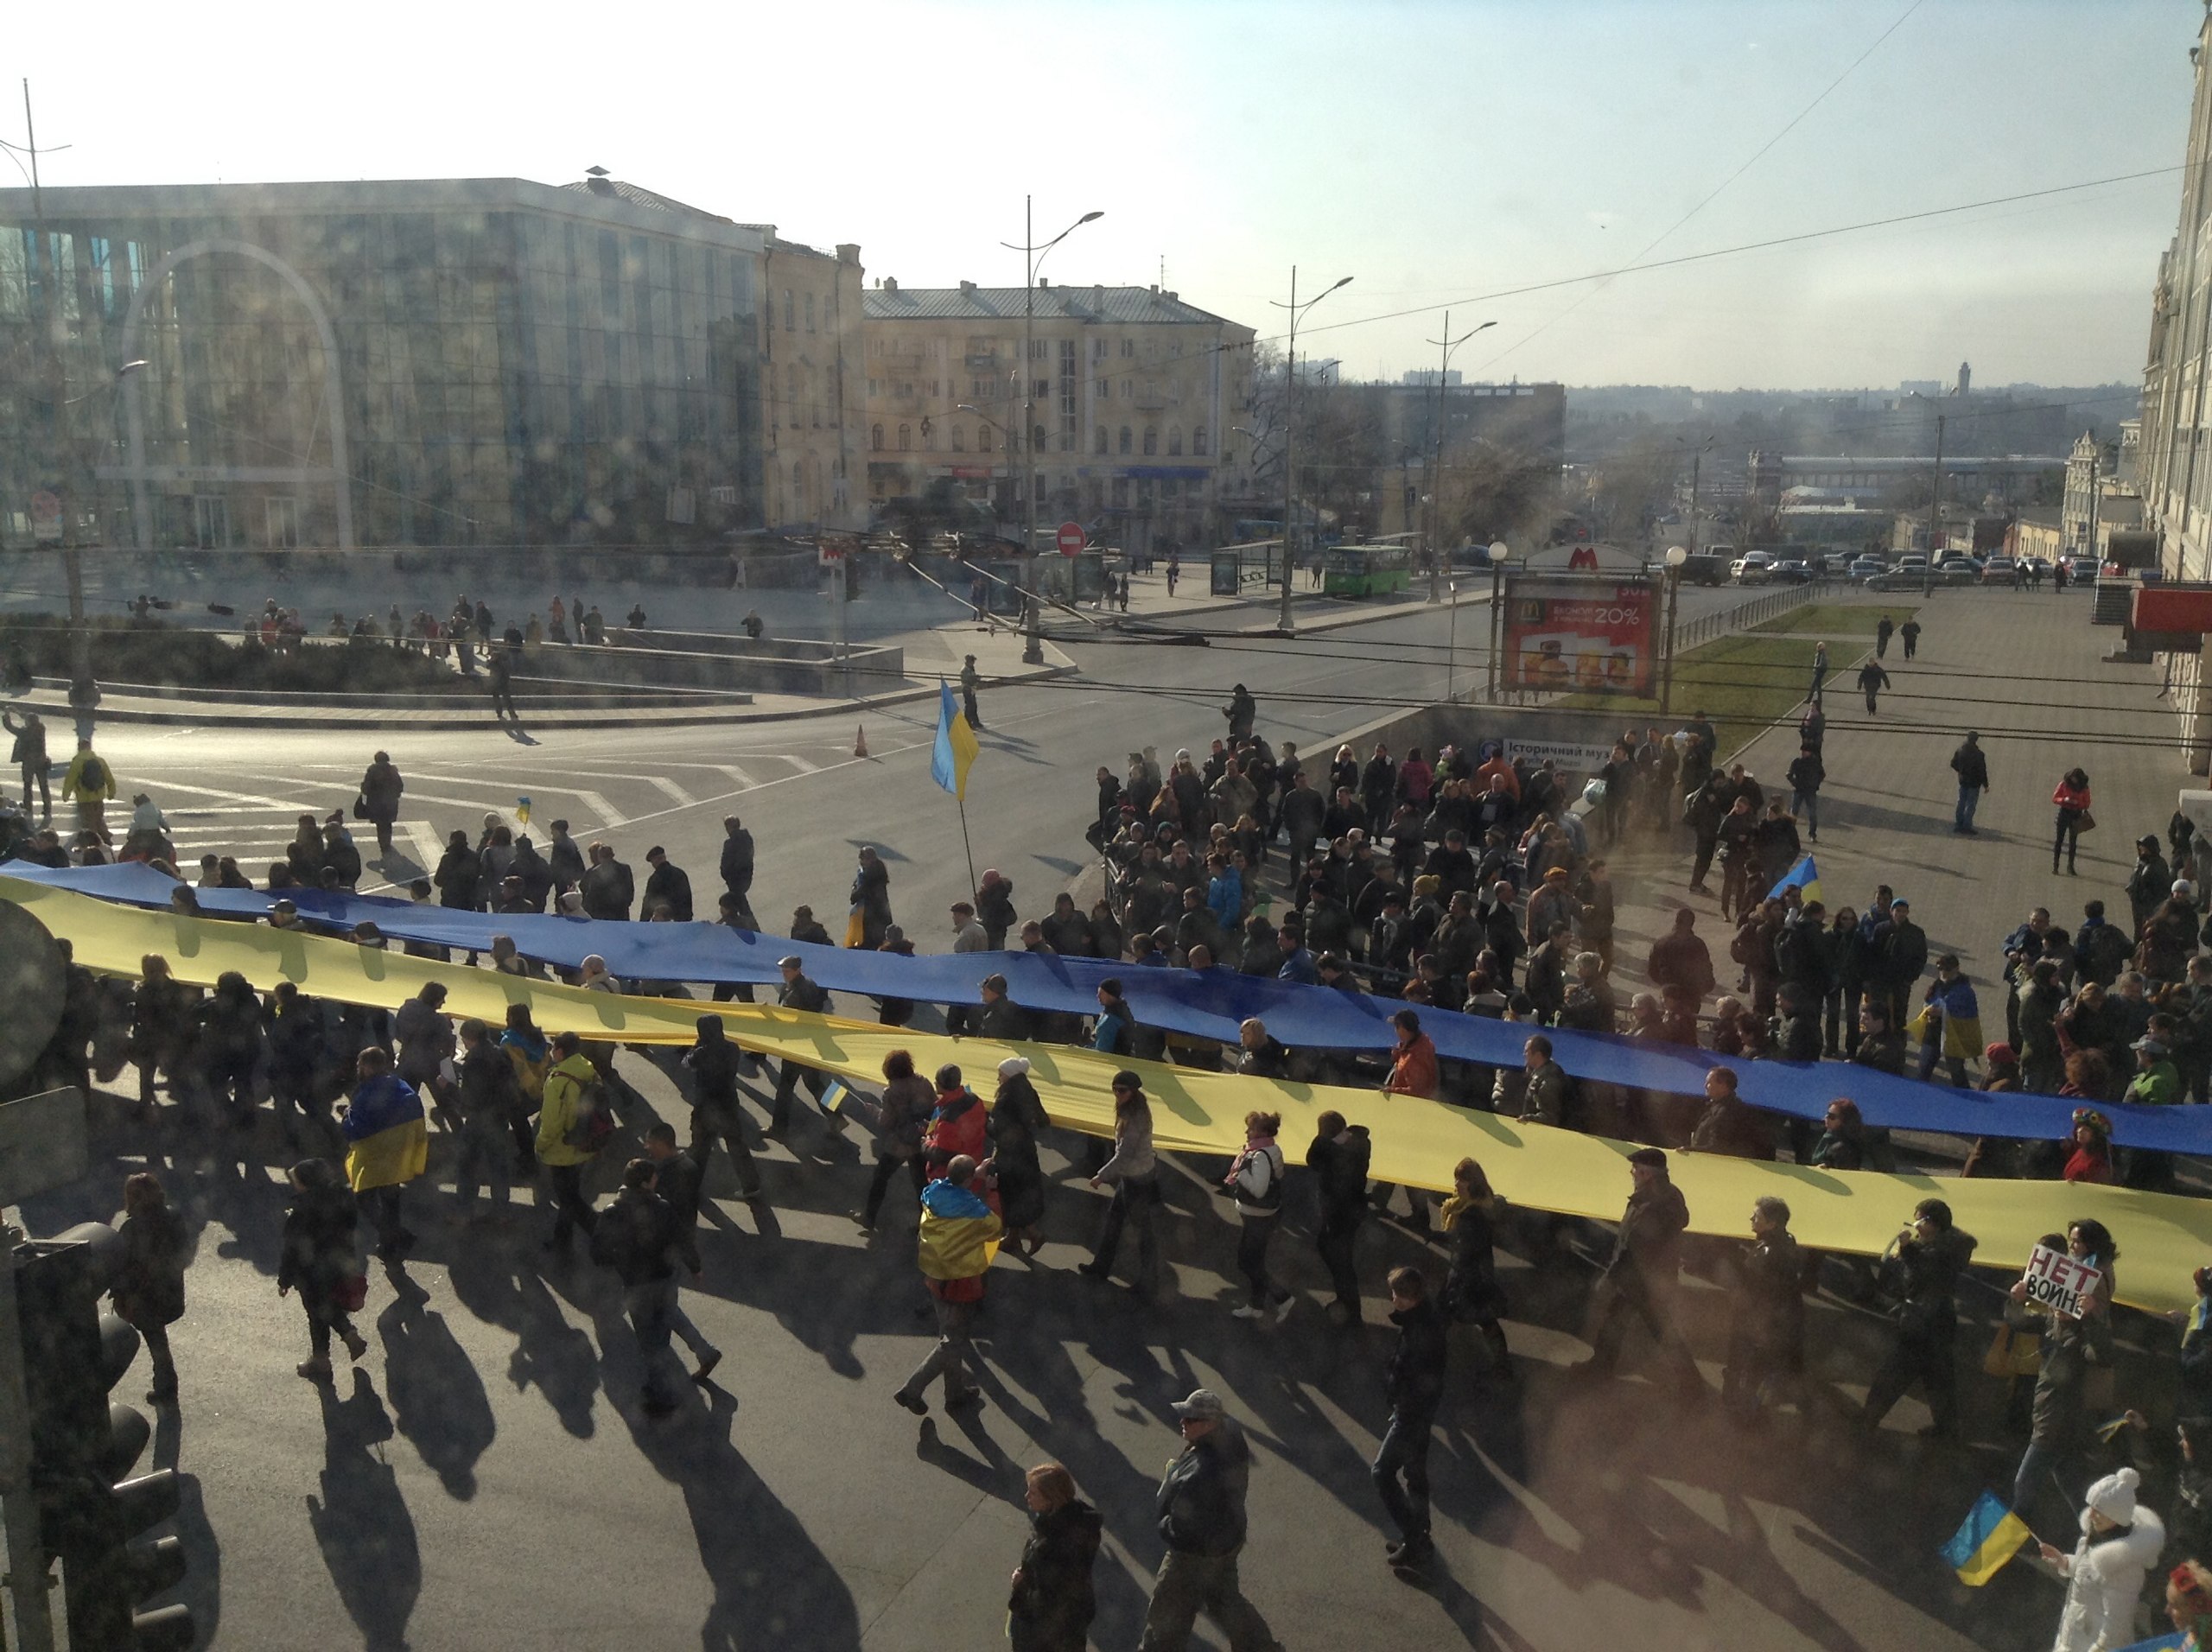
860, 741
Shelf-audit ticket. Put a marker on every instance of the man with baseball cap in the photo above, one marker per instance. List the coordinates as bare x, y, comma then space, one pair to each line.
1201, 1506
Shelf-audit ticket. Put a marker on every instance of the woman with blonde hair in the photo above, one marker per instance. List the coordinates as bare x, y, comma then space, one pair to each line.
1471, 1291
1052, 1600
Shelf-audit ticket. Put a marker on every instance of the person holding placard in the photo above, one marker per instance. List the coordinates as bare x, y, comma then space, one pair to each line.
2076, 1288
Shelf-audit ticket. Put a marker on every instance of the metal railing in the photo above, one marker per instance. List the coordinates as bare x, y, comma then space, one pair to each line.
1767, 605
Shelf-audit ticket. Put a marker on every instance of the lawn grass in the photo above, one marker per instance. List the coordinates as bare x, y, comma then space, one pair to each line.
1836, 619
1742, 683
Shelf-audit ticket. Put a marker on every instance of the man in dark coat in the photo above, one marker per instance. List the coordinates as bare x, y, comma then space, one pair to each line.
1202, 1521
1922, 1269
667, 885
1413, 1381
640, 1237
606, 886
1971, 764
1766, 1332
380, 790
737, 867
1339, 1158
1642, 1272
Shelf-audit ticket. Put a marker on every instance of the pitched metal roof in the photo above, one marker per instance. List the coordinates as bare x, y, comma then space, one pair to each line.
638, 196
1126, 304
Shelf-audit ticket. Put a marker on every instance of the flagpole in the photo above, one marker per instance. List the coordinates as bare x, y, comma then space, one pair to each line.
964, 844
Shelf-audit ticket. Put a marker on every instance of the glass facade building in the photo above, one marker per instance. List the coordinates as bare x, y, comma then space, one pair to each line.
479, 362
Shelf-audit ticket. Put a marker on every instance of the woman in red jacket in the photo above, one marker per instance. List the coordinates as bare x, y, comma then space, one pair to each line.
2072, 799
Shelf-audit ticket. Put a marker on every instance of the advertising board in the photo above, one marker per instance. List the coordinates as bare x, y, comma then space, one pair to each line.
1567, 633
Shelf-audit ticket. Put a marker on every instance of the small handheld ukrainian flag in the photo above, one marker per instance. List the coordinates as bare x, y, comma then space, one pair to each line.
1804, 877
956, 745
1992, 1536
522, 810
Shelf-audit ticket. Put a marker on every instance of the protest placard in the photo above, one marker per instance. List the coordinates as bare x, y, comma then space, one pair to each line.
2058, 1281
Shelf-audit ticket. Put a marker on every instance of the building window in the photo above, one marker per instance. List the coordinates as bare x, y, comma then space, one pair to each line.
1129, 347
1125, 438
1102, 441
787, 309
1151, 440
1103, 389
798, 486
875, 438
1199, 441
809, 312
960, 438
1128, 390
1098, 349
1038, 442
905, 438
1175, 441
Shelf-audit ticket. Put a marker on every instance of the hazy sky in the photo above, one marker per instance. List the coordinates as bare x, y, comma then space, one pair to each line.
1436, 152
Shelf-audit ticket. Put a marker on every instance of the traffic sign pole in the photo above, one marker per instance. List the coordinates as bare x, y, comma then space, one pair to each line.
1071, 538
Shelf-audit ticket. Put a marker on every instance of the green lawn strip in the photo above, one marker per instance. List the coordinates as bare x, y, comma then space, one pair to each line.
1836, 619
1742, 683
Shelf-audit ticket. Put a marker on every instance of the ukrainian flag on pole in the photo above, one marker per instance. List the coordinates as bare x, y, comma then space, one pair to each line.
1804, 877
956, 745
1992, 1536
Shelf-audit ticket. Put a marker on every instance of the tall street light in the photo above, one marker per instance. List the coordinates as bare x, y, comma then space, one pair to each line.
1032, 251
1436, 462
1495, 554
1290, 431
1677, 555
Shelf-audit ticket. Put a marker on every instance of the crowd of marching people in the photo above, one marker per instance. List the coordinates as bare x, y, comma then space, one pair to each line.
1463, 881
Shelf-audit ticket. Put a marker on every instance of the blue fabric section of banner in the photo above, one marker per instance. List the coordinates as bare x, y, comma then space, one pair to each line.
1205, 1004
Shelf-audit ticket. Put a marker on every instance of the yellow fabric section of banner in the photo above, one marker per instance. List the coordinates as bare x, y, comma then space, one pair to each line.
2162, 1237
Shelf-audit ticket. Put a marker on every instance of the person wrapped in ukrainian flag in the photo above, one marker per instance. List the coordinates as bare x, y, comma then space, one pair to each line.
958, 1239
388, 1146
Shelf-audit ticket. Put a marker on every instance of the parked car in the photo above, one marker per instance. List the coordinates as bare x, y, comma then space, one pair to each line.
1703, 568
2000, 570
1791, 573
1865, 568
1752, 567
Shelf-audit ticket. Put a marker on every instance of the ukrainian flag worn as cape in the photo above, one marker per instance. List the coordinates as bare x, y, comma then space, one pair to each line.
388, 1141
960, 1233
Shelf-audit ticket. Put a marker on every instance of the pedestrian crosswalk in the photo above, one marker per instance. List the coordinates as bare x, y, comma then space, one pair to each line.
254, 818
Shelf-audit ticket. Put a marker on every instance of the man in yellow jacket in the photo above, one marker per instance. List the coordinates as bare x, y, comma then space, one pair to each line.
89, 784
568, 1087
959, 1236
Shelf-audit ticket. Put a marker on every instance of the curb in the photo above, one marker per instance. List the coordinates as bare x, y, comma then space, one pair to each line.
205, 715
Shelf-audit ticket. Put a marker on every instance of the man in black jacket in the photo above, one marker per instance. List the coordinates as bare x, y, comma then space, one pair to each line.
737, 867
1923, 1268
713, 1062
1414, 1382
1806, 776
1643, 1270
801, 993
1339, 1158
1201, 1505
1900, 958
491, 1102
668, 885
638, 1235
679, 1179
606, 887
1972, 767
1766, 1332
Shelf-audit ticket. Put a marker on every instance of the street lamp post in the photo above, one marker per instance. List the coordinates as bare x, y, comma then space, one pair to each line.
1290, 431
1451, 648
1496, 554
1436, 463
1677, 555
1032, 251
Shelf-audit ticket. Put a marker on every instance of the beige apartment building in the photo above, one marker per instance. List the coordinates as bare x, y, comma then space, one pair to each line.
812, 326
1131, 397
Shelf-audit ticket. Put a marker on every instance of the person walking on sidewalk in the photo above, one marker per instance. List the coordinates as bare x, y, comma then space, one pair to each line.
1134, 1173
1820, 672
1201, 1505
1873, 679
562, 1147
89, 783
1339, 1159
2071, 798
1054, 1598
147, 1283
1806, 776
1256, 1181
1972, 769
1641, 1277
1882, 634
1908, 634
321, 1260
388, 1146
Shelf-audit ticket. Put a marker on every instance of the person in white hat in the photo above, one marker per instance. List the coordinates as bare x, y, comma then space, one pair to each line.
2121, 1542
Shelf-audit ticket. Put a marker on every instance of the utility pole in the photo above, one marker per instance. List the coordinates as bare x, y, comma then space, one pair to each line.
1697, 463
1290, 436
1934, 512
1436, 464
1032, 643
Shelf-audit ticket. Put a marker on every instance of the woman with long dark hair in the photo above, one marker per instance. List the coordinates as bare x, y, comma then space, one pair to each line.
2071, 798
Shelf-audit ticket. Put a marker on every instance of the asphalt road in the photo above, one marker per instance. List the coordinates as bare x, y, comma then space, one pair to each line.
485, 1478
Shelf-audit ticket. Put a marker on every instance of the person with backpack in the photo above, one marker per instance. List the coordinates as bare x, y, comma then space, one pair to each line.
640, 1237
89, 783
1254, 1180
574, 1122
527, 1051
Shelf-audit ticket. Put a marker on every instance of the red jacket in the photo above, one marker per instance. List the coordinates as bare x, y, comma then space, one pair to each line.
959, 1125
2067, 796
